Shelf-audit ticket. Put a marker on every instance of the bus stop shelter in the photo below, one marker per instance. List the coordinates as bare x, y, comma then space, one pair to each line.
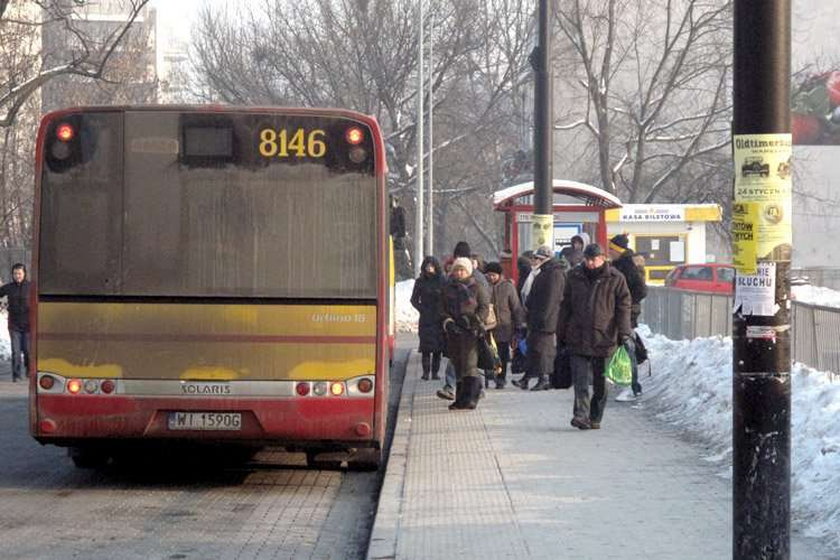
578, 208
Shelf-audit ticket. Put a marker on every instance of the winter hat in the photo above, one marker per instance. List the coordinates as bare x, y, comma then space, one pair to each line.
543, 252
463, 262
592, 250
493, 267
462, 249
619, 243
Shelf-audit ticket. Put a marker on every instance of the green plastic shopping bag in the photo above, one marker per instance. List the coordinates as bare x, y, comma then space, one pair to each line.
619, 370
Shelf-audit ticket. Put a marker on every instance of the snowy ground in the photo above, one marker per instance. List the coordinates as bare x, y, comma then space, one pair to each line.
816, 294
691, 387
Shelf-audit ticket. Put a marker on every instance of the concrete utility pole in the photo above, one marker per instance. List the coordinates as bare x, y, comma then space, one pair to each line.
762, 245
543, 224
418, 203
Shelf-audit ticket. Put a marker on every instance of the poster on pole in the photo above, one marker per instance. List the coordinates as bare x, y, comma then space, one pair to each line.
763, 182
542, 228
744, 220
755, 294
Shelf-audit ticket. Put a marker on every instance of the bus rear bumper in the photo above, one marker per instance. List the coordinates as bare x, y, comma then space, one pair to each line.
73, 420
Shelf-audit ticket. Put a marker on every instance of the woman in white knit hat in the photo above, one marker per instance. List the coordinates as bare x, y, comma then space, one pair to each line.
465, 305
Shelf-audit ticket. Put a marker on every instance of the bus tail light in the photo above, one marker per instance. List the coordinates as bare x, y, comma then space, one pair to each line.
302, 389
320, 389
74, 386
46, 382
337, 388
354, 136
65, 132
358, 154
107, 386
47, 426
365, 385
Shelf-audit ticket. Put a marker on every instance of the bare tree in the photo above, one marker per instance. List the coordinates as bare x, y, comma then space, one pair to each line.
652, 81
363, 55
49, 45
89, 58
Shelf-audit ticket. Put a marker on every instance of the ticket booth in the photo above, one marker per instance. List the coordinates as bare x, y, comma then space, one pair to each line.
667, 235
579, 209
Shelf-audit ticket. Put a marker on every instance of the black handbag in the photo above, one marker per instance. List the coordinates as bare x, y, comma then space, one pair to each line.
561, 377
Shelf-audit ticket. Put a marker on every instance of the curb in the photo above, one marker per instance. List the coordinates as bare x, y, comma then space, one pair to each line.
386, 525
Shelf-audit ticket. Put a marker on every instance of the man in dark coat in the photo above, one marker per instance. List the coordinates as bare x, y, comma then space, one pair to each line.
426, 299
464, 307
624, 260
542, 309
510, 315
574, 252
594, 320
17, 292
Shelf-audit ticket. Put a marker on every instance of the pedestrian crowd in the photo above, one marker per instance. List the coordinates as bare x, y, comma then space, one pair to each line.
559, 324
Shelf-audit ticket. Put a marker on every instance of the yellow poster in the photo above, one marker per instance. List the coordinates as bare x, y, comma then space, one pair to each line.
763, 180
744, 224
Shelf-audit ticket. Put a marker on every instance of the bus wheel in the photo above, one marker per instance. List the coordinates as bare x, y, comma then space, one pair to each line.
365, 459
88, 457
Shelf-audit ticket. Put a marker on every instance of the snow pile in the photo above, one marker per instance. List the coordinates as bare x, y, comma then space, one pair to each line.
691, 387
816, 295
405, 315
5, 343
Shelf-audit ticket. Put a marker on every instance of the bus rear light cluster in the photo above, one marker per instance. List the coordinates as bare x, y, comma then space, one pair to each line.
51, 383
320, 388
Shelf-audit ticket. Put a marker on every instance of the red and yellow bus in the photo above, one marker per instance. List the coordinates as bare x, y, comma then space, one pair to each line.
218, 274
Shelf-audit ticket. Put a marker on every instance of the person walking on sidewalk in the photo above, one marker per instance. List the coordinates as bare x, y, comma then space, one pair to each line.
464, 309
594, 320
632, 267
17, 292
510, 316
542, 312
425, 298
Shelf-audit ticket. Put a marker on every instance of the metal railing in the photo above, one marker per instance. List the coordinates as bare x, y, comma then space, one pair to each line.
680, 314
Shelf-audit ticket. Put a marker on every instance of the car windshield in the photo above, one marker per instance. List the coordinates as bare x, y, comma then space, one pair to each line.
726, 274
697, 273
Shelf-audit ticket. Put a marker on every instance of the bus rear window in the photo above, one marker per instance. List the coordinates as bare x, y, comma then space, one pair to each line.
214, 205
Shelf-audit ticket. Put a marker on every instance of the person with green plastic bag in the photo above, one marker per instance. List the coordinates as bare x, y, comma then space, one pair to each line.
594, 321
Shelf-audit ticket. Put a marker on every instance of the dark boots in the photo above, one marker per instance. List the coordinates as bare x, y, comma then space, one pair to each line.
427, 365
522, 383
460, 397
542, 384
467, 394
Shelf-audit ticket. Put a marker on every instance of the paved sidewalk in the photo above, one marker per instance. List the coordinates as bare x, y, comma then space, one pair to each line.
513, 479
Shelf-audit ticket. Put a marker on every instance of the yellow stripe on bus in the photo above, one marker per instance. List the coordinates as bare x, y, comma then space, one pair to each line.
206, 341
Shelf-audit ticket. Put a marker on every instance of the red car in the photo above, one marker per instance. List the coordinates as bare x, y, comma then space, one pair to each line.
713, 277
